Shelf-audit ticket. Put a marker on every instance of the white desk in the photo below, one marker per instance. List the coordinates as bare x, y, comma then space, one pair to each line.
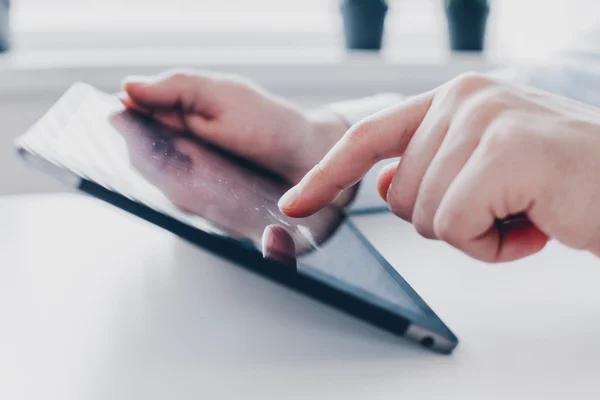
96, 304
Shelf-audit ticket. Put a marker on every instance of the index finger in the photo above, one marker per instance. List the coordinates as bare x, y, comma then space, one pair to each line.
382, 135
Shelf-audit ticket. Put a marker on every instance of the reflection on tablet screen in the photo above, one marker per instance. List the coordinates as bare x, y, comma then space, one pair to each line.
241, 202
191, 181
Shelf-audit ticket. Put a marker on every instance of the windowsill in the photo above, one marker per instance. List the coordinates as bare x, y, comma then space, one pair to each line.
299, 70
287, 50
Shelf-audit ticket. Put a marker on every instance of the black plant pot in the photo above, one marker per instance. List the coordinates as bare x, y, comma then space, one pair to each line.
363, 23
466, 26
4, 25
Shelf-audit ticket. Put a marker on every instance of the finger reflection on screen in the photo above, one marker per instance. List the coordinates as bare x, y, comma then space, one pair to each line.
278, 245
208, 183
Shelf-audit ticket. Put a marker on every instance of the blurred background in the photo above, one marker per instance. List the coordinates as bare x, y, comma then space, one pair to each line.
312, 51
518, 28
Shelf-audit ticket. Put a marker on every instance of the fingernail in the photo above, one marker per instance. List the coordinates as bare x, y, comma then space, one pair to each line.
129, 103
288, 200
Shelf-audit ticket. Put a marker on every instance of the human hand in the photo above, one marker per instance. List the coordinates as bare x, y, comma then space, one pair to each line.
239, 116
475, 153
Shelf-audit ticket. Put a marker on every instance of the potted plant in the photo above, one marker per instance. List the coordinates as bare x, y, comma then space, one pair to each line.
4, 25
363, 23
467, 20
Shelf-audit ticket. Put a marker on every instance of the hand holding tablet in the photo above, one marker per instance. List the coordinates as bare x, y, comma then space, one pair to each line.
226, 204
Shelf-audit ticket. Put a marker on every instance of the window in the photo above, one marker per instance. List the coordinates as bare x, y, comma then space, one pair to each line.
517, 27
208, 22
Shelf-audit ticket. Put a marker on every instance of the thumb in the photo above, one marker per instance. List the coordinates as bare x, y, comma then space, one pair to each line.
181, 90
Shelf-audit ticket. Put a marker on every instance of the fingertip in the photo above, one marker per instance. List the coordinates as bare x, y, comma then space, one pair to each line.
138, 89
303, 201
153, 92
290, 212
304, 209
293, 203
134, 91
295, 210
385, 177
129, 103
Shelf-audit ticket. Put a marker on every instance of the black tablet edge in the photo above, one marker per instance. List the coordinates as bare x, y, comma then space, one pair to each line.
439, 326
368, 210
253, 261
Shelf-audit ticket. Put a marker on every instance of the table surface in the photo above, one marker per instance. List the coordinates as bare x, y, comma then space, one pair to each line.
96, 304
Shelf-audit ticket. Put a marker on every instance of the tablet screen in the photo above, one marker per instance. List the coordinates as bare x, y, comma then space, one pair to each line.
177, 174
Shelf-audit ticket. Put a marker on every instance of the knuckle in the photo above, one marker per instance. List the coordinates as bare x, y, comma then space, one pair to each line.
362, 134
504, 134
464, 85
443, 224
321, 173
400, 206
482, 109
497, 94
490, 101
495, 143
362, 131
471, 79
424, 228
422, 220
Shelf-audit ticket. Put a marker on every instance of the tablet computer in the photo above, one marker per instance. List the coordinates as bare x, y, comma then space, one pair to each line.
226, 205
